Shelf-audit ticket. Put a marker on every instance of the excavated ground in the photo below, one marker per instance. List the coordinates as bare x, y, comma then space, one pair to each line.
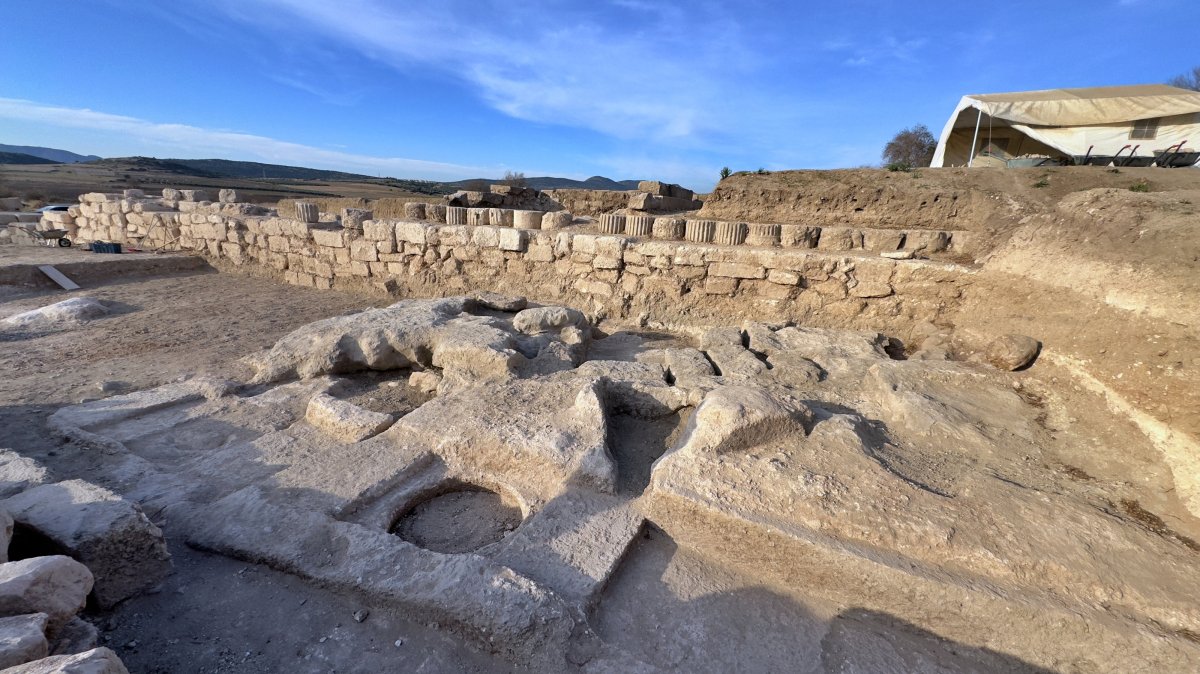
750, 497
709, 583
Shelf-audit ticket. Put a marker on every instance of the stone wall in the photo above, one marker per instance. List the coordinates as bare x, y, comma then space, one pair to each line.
657, 280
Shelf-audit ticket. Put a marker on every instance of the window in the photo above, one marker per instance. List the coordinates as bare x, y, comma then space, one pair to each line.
1144, 129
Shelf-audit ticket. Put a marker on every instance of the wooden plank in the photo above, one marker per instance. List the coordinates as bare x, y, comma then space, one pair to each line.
58, 277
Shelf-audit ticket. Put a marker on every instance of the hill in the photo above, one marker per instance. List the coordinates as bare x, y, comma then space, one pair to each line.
55, 156
552, 183
21, 158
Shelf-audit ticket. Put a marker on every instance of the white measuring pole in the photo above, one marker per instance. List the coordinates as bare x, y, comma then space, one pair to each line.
971, 159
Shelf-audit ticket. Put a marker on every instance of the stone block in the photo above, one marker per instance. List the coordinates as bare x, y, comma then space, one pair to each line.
55, 585
839, 238
479, 217
512, 239
737, 270
353, 218
134, 194
700, 231
306, 211
556, 220
329, 238
435, 213
783, 277
763, 235
671, 229
227, 196
925, 240
612, 223
125, 552
527, 219
363, 250
486, 237
414, 210
500, 217
456, 215
379, 230
882, 239
730, 233
193, 195
18, 473
639, 225
798, 236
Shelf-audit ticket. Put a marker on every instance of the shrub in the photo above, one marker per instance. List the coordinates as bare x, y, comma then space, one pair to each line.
1140, 186
914, 147
725, 172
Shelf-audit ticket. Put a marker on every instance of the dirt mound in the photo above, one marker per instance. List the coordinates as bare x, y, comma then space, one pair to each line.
946, 198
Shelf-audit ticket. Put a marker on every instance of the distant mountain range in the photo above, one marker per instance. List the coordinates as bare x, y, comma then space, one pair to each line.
55, 156
249, 170
21, 158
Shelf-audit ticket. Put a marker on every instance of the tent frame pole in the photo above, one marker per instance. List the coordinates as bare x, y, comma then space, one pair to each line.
975, 140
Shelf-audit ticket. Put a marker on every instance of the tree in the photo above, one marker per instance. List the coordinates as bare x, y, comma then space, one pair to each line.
514, 178
1187, 80
725, 172
910, 148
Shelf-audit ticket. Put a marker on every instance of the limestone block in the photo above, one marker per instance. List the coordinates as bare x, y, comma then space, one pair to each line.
798, 236
125, 552
134, 194
512, 239
700, 231
730, 233
435, 212
527, 219
411, 232
839, 238
927, 241
414, 210
671, 229
193, 195
456, 215
479, 217
763, 235
343, 420
783, 277
720, 286
306, 211
882, 239
612, 223
486, 237
737, 270
500, 217
556, 220
96, 661
546, 319
55, 585
353, 218
227, 196
363, 250
379, 230
639, 225
58, 218
330, 238
23, 639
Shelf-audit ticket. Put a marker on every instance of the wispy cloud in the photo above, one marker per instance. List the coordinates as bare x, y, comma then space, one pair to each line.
195, 141
630, 70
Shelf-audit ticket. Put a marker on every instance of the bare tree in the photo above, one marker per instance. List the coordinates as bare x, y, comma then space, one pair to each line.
1187, 80
514, 178
910, 148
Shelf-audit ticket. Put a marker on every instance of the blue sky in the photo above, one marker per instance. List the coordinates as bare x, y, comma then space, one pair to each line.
621, 88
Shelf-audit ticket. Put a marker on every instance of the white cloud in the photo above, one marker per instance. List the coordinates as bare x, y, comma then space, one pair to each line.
154, 137
631, 70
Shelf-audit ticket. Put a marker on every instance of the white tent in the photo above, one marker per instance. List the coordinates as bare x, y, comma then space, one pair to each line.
1069, 122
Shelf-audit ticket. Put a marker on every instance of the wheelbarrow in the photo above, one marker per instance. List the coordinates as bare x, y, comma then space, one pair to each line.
49, 237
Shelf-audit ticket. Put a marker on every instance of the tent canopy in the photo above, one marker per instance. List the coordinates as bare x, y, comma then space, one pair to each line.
1070, 121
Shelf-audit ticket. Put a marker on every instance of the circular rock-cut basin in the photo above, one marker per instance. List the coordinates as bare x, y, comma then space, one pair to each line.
463, 518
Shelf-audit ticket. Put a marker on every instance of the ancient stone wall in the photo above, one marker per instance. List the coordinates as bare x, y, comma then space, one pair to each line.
780, 277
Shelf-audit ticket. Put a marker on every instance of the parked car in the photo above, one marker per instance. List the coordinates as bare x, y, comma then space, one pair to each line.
53, 207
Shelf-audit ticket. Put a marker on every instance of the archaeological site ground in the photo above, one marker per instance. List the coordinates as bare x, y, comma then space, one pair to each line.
941, 420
